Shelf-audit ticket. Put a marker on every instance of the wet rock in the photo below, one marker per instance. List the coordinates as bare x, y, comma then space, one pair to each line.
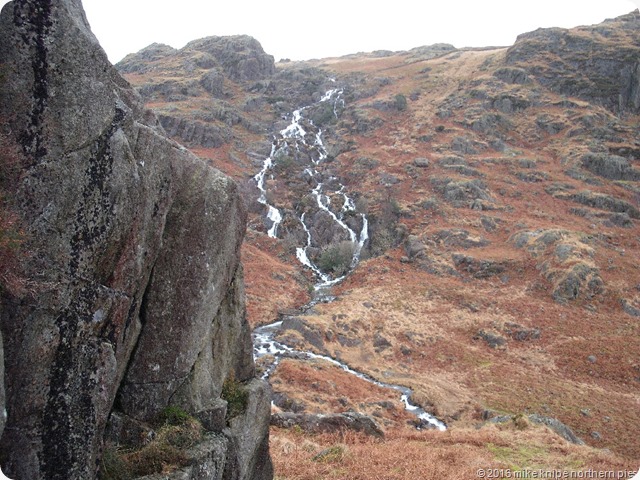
329, 423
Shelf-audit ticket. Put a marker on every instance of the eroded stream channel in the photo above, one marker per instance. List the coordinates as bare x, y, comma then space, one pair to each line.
303, 141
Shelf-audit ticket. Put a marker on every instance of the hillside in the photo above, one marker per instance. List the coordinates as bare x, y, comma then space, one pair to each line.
500, 278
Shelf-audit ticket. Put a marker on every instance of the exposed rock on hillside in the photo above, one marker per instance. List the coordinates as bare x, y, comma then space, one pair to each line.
241, 57
140, 62
137, 292
559, 59
570, 267
328, 423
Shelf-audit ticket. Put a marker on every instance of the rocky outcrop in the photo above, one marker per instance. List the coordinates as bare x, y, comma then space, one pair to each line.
241, 56
194, 133
336, 422
140, 62
612, 167
569, 266
598, 63
136, 298
553, 424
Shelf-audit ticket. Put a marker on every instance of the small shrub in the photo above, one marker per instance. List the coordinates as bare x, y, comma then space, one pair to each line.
236, 397
400, 102
430, 203
113, 466
181, 436
173, 415
155, 457
337, 258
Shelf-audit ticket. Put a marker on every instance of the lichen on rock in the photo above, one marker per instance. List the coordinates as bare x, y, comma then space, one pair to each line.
138, 298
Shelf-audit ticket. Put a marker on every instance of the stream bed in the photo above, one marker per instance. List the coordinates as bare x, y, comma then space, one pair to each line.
302, 136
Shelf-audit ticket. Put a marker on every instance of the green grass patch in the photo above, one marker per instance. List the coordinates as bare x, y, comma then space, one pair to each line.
236, 396
519, 458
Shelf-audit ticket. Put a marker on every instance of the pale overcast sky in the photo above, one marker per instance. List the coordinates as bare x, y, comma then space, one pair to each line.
301, 30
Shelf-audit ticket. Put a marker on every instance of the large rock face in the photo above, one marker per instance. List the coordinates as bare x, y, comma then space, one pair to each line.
599, 63
136, 287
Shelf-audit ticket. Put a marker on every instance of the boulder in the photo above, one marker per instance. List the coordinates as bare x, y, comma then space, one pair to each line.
319, 423
421, 162
479, 268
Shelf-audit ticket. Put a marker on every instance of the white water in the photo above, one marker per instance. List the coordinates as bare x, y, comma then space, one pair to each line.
264, 343
273, 213
264, 340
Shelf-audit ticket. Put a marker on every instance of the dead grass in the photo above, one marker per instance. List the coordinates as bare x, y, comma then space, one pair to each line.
163, 454
410, 455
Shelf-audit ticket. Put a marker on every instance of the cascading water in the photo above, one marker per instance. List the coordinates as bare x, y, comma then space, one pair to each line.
264, 340
273, 214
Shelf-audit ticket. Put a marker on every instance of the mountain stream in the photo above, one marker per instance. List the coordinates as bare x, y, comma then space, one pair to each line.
302, 136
